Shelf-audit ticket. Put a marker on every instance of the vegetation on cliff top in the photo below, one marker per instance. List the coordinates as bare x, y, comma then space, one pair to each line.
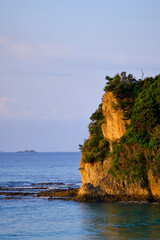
138, 150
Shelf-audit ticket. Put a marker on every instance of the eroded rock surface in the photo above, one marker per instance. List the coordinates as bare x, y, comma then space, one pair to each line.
114, 127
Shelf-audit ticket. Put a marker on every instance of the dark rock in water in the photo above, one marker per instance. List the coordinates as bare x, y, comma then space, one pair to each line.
38, 190
60, 198
15, 194
107, 198
89, 198
59, 194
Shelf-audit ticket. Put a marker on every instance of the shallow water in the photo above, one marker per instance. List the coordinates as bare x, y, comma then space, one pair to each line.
38, 218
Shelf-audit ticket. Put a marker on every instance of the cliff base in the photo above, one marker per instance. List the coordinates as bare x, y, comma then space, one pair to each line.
99, 186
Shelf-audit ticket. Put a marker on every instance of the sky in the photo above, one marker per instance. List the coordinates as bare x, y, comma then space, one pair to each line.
54, 56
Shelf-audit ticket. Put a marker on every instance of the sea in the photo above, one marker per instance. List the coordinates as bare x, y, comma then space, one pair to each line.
32, 218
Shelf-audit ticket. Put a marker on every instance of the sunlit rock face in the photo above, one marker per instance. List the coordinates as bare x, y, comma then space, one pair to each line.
114, 126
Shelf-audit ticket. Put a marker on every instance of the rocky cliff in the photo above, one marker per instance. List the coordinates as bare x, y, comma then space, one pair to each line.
113, 127
97, 184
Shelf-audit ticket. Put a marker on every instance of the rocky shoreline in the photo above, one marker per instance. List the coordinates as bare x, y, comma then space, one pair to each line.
56, 194
46, 190
72, 194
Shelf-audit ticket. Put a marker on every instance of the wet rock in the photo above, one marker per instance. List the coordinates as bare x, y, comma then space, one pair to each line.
59, 194
15, 193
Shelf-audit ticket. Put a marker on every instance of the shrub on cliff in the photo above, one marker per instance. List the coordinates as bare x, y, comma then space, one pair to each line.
96, 147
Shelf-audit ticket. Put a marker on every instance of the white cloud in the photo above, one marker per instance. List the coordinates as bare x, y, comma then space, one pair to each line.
20, 49
39, 50
17, 48
4, 105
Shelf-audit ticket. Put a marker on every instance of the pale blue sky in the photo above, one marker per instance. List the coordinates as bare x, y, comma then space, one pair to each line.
54, 56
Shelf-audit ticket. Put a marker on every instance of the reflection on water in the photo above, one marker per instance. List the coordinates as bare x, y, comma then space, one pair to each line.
122, 221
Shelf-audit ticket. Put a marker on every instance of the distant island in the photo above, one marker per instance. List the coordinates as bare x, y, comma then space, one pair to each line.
27, 151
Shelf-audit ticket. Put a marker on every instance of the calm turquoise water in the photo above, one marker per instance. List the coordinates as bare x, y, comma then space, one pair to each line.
38, 218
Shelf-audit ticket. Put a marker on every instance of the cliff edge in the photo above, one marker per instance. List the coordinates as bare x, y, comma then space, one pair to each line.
115, 177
